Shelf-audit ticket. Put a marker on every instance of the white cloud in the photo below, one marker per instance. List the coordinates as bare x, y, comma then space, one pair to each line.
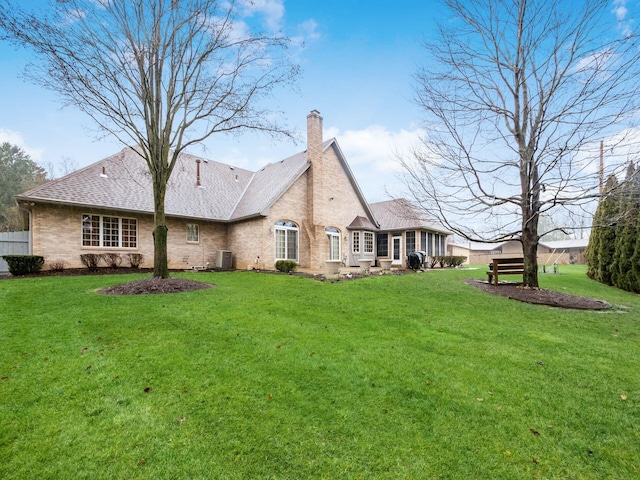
596, 62
372, 154
625, 25
620, 9
271, 10
16, 138
375, 146
307, 30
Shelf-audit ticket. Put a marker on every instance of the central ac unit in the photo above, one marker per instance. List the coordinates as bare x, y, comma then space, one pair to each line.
223, 260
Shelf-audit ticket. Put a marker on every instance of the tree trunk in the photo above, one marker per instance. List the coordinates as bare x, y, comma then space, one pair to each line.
530, 253
160, 256
530, 208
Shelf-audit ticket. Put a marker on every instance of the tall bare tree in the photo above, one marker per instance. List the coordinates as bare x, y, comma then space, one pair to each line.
516, 96
163, 74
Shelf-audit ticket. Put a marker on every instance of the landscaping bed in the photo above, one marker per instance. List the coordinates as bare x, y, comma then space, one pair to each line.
540, 296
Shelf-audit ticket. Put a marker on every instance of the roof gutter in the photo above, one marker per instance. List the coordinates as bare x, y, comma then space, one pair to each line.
30, 202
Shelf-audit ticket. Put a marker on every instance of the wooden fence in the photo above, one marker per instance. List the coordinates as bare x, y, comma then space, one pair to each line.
12, 243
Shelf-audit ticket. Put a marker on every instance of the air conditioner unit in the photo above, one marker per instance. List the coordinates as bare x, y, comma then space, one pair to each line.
223, 260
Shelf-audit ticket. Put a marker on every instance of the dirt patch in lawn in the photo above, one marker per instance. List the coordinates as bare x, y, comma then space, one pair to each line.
156, 285
540, 296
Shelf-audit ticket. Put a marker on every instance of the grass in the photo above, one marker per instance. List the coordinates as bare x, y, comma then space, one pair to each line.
281, 377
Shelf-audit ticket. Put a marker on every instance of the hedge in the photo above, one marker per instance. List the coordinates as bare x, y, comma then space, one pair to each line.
24, 264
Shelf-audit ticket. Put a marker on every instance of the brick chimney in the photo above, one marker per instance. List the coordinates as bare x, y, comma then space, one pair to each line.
314, 137
315, 182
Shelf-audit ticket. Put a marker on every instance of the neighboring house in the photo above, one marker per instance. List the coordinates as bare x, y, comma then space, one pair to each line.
562, 251
549, 252
307, 208
456, 249
484, 252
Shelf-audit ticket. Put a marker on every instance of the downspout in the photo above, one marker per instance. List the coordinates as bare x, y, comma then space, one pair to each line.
30, 224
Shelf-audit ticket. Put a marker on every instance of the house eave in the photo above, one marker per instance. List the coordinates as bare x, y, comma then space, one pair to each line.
415, 227
31, 201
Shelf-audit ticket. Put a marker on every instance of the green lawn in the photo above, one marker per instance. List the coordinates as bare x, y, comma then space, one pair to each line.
281, 377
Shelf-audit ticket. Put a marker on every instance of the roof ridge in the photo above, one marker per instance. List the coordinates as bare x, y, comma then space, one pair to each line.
284, 189
241, 196
209, 160
276, 194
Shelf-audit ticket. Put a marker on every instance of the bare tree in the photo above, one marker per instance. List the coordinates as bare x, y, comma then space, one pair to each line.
517, 95
163, 74
64, 167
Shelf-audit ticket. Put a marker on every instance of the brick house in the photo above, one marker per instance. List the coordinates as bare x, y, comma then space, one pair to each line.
307, 207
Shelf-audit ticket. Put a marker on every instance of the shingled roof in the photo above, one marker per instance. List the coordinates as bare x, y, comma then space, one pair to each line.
226, 193
268, 184
400, 214
360, 223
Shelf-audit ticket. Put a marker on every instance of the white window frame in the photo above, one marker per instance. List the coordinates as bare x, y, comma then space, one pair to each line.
90, 221
334, 242
439, 247
355, 244
368, 242
410, 240
283, 232
396, 255
193, 233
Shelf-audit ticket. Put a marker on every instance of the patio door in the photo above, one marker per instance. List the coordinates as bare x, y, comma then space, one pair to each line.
396, 251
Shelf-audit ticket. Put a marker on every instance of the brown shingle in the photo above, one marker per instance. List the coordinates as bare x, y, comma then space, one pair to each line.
360, 223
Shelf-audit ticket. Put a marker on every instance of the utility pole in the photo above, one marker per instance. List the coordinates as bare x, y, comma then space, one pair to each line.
601, 171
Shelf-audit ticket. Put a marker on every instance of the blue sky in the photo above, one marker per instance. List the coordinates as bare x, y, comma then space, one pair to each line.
357, 67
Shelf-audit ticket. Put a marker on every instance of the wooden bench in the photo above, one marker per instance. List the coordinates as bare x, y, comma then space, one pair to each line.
505, 266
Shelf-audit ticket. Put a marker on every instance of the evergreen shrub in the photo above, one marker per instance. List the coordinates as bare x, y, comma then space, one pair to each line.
24, 264
286, 266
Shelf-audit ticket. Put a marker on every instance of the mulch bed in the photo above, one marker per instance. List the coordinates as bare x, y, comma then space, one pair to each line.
74, 272
539, 296
137, 287
156, 285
